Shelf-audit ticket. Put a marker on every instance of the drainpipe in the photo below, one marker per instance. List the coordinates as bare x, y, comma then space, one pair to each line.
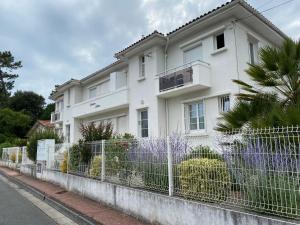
166, 100
236, 54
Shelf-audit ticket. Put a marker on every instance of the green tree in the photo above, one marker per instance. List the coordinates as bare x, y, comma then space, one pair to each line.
38, 135
7, 77
27, 102
13, 124
46, 114
274, 99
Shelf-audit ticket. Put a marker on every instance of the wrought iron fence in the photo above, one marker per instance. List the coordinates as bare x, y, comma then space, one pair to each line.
254, 169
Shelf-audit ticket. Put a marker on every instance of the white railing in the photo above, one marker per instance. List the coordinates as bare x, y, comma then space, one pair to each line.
56, 117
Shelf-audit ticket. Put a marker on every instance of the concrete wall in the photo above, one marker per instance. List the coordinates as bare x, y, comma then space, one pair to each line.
156, 208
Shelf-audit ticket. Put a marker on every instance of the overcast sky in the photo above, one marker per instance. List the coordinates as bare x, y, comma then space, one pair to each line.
62, 39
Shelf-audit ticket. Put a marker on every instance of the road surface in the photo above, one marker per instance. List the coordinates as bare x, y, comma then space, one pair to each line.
15, 209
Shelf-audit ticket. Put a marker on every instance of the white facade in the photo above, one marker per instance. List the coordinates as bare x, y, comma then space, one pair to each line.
179, 82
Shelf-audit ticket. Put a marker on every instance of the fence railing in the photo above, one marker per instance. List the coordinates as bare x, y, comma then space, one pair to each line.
253, 169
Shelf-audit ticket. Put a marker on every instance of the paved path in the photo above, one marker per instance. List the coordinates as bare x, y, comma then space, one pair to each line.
15, 209
99, 212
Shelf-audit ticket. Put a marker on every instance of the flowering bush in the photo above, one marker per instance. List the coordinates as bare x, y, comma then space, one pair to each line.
95, 170
266, 170
204, 179
64, 165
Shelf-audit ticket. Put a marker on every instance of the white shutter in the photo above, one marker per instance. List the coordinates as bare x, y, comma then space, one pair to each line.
186, 119
193, 54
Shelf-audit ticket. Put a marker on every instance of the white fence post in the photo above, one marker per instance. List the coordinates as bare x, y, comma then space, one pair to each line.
68, 158
17, 155
103, 161
170, 167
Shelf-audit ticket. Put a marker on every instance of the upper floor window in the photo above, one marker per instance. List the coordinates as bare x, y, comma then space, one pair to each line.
219, 41
194, 116
142, 66
253, 51
143, 122
92, 92
224, 103
103, 88
121, 79
59, 105
192, 54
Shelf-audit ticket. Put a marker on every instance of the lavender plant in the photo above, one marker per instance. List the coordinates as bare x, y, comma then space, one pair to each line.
267, 171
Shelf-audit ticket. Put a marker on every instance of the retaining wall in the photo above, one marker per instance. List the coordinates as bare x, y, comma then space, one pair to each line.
156, 208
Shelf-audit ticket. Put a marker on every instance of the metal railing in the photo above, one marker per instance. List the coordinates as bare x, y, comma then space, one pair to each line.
253, 169
56, 117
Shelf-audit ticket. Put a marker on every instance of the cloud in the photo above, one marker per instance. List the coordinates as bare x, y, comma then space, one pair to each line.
62, 39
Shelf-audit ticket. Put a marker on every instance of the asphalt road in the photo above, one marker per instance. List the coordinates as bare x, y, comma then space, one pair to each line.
17, 210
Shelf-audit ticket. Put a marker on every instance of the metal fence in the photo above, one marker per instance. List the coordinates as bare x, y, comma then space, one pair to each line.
254, 169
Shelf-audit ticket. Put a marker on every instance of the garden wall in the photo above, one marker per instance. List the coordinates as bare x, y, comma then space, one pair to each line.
156, 208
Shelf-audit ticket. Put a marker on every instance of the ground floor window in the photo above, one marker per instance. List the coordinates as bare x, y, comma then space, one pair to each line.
224, 103
68, 133
194, 116
143, 123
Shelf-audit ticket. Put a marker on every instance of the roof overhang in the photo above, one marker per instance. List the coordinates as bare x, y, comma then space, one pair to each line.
145, 43
240, 12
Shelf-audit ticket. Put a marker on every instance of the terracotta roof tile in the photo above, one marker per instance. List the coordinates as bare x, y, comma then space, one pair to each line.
46, 123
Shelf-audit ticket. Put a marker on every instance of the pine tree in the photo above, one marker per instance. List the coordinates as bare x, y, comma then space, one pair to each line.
7, 77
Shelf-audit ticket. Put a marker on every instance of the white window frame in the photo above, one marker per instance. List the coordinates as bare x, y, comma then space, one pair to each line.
222, 103
140, 120
142, 66
216, 42
187, 118
253, 59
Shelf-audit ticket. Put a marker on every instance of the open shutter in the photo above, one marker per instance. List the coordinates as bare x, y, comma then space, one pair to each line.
186, 119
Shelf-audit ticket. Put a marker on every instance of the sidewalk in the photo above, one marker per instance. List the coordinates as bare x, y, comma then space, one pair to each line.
99, 212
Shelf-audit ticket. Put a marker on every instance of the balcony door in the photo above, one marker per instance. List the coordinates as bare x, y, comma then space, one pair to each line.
192, 54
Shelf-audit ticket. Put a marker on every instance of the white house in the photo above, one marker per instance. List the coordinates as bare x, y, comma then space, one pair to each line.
178, 82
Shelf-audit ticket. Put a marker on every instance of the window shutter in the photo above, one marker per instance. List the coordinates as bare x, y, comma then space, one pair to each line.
186, 119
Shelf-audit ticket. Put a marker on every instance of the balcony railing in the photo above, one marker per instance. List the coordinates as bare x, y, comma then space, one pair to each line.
100, 104
176, 79
185, 78
56, 117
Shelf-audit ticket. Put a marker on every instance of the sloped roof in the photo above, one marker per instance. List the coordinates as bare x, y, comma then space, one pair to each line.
43, 123
155, 33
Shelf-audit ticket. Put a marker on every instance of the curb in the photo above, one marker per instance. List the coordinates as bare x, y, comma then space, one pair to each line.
73, 214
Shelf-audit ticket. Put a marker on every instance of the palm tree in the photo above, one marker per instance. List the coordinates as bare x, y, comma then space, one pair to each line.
274, 99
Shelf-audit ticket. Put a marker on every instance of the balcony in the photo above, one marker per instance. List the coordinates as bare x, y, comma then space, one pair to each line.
56, 117
183, 79
115, 100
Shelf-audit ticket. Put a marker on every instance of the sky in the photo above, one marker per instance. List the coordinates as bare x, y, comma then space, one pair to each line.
57, 40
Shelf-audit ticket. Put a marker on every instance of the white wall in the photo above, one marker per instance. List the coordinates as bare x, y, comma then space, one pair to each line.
225, 65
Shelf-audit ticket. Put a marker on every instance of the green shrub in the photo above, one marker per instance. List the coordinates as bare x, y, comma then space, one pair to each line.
204, 179
13, 157
117, 162
38, 135
74, 157
95, 170
64, 164
203, 152
155, 176
93, 132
